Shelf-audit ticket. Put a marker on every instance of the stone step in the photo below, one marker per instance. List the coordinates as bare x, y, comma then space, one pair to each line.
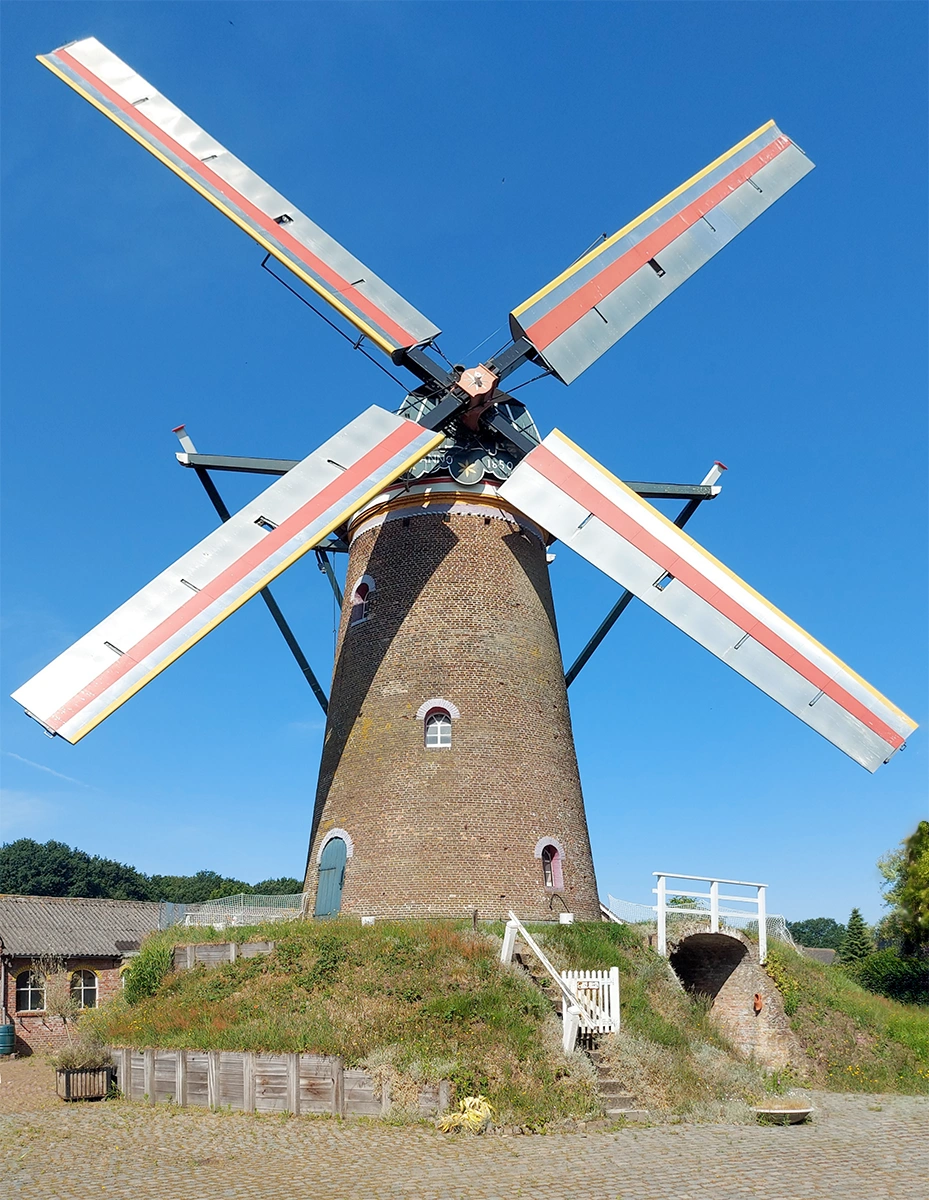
619, 1098
627, 1114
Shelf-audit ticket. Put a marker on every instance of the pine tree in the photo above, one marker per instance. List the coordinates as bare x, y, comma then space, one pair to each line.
857, 943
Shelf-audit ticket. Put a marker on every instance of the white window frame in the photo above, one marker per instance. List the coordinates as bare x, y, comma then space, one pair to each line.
31, 988
438, 719
79, 993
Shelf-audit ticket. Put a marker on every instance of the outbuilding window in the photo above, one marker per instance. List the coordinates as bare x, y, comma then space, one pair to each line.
84, 989
438, 730
30, 991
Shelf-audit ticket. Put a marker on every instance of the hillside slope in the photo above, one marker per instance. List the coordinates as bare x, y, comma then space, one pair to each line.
429, 1000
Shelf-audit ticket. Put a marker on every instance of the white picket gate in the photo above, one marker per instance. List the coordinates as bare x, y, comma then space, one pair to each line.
597, 996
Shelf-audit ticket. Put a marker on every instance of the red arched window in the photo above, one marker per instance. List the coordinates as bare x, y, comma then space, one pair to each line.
362, 598
551, 867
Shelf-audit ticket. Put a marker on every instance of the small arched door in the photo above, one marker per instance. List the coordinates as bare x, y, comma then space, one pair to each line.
331, 878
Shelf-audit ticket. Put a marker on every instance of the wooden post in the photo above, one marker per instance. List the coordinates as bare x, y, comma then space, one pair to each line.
338, 1088
614, 997
180, 1078
762, 925
191, 956
509, 942
385, 1098
444, 1095
124, 1068
248, 1081
148, 1075
293, 1084
662, 916
212, 1079
233, 951
572, 1023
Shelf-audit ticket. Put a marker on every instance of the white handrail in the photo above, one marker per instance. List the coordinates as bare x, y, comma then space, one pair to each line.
710, 879
590, 1010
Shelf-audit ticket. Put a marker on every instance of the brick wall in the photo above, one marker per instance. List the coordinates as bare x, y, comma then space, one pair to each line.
462, 609
725, 967
39, 1031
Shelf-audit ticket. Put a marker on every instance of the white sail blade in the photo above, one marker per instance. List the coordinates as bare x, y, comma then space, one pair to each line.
581, 503
145, 635
140, 110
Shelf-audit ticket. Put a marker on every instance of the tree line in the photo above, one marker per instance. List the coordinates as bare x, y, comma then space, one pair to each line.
31, 868
891, 957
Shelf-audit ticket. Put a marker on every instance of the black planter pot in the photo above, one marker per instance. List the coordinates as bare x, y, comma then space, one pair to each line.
85, 1083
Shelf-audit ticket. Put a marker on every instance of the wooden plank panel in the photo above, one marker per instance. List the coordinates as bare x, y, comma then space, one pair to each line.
270, 1083
231, 1089
165, 1076
197, 1067
361, 1095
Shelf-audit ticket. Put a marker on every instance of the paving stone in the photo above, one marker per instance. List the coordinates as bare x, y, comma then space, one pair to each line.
857, 1148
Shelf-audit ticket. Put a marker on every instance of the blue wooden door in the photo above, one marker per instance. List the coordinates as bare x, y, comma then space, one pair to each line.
331, 878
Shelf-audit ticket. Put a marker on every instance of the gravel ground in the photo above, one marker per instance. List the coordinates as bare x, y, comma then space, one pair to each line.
855, 1148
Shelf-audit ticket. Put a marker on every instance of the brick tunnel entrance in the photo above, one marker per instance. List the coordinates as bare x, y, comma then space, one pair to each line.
704, 962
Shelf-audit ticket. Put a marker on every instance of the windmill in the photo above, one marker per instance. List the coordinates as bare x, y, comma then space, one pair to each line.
448, 779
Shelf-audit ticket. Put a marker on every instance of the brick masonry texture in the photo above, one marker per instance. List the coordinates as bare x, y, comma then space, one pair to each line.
855, 1148
462, 610
725, 967
40, 1030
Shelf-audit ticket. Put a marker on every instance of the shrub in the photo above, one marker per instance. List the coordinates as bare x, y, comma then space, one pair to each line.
890, 974
87, 1056
148, 970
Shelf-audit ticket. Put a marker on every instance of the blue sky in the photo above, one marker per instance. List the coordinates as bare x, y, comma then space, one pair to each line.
468, 153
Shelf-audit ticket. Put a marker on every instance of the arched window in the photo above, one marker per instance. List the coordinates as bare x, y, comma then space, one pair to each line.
551, 867
30, 991
362, 597
84, 989
438, 729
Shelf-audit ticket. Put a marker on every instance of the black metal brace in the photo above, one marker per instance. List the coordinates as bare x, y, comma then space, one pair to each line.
273, 606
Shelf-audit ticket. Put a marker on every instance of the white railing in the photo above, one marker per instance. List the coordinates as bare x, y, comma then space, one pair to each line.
629, 912
714, 896
579, 1009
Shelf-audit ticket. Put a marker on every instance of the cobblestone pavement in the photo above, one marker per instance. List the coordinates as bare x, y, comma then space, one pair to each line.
857, 1148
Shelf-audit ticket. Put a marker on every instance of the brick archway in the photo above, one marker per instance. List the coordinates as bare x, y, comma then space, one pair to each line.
704, 962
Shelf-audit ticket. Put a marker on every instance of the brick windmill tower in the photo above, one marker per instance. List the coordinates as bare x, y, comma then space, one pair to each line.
448, 780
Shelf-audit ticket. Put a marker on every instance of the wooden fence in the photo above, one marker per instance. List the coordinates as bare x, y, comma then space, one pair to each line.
262, 1083
211, 954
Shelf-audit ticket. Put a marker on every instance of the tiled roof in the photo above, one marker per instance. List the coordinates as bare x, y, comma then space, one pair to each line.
68, 926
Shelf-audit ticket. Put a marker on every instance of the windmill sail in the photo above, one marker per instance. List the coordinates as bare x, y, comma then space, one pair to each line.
375, 309
593, 512
590, 306
135, 643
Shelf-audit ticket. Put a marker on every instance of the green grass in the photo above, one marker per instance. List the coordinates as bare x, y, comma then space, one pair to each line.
855, 1041
417, 1000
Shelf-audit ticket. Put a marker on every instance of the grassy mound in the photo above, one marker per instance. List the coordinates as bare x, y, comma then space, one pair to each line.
855, 1041
407, 1000
415, 1001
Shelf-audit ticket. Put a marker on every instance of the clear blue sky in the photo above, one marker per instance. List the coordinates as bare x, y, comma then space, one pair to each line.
468, 153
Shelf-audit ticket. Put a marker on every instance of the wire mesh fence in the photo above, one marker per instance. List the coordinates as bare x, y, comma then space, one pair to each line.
245, 908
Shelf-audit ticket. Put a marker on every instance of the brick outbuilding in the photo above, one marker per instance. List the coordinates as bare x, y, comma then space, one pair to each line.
87, 941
